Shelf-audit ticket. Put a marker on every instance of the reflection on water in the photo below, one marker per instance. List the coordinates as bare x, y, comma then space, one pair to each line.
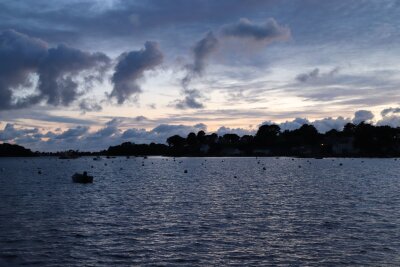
221, 212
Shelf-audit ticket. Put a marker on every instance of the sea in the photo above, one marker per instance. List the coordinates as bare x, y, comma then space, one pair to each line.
164, 211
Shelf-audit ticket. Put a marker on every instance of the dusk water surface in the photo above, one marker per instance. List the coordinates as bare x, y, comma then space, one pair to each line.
223, 211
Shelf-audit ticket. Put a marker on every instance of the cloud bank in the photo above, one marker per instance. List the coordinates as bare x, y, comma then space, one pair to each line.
131, 67
22, 58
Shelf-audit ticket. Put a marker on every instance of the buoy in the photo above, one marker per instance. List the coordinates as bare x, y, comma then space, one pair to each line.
185, 171
264, 168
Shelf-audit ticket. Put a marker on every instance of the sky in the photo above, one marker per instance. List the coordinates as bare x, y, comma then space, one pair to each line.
92, 73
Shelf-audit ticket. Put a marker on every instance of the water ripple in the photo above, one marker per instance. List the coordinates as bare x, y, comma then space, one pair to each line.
230, 212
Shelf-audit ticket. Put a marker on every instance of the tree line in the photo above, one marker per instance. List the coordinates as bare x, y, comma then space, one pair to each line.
356, 140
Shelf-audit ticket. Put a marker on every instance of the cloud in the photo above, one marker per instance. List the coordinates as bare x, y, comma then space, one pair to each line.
170, 129
202, 50
316, 74
362, 116
322, 125
190, 100
10, 132
327, 124
387, 111
268, 32
239, 131
289, 125
87, 105
104, 133
140, 118
131, 67
20, 56
307, 76
392, 120
72, 134
58, 69
119, 20
23, 57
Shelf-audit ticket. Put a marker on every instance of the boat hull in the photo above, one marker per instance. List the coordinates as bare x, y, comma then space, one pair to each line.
78, 178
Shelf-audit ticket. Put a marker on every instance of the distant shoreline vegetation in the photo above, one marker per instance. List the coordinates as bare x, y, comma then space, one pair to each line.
361, 140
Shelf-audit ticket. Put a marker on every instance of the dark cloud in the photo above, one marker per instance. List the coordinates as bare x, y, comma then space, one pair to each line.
58, 69
362, 116
131, 67
73, 134
87, 105
10, 132
316, 74
118, 19
190, 100
140, 118
107, 132
201, 52
22, 57
267, 32
307, 76
387, 111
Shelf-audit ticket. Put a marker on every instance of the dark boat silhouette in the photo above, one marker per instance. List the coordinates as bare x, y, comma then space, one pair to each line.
82, 178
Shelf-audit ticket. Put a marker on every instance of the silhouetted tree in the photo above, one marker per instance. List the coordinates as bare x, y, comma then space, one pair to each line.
176, 141
191, 139
230, 138
267, 135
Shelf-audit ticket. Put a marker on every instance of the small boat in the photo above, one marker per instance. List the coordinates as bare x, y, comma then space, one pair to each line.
82, 178
97, 158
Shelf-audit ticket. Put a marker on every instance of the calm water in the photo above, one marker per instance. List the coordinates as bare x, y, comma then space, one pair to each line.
224, 211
